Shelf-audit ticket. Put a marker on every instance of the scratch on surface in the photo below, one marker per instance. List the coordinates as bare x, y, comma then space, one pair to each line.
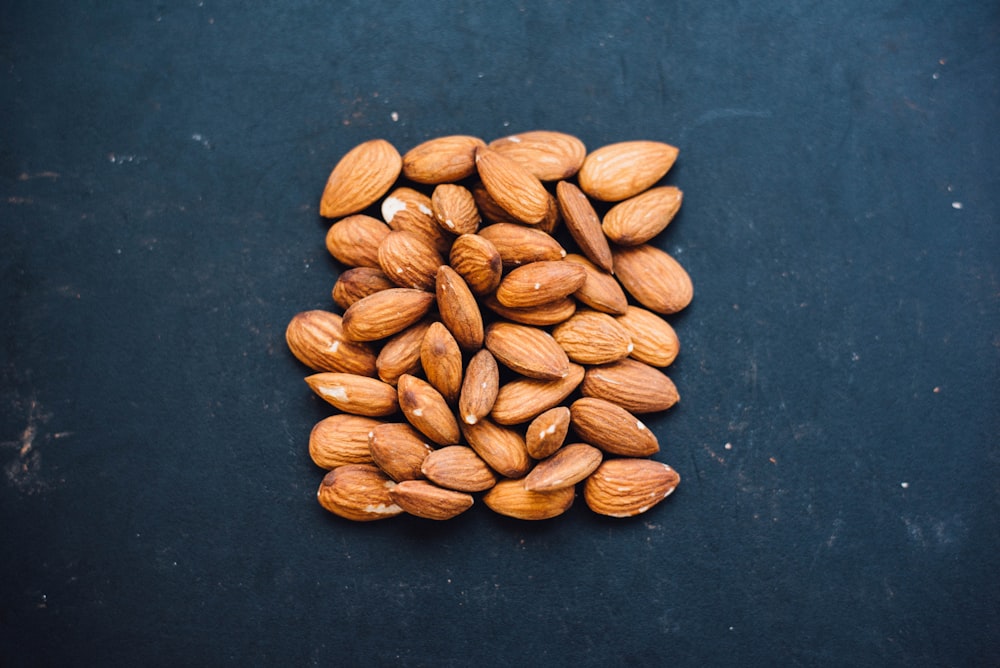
22, 470
724, 114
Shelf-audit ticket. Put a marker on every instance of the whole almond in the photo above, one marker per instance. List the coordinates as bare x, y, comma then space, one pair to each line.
542, 315
458, 467
653, 277
362, 176
523, 399
384, 313
500, 447
553, 217
529, 351
518, 244
640, 218
478, 262
455, 209
442, 160
441, 359
358, 492
634, 386
611, 428
410, 210
354, 240
653, 339
591, 337
628, 487
583, 224
357, 283
619, 171
317, 339
510, 498
341, 439
459, 309
358, 395
422, 499
479, 387
409, 260
399, 450
600, 291
489, 210
548, 155
568, 466
427, 410
513, 187
401, 353
540, 283
547, 432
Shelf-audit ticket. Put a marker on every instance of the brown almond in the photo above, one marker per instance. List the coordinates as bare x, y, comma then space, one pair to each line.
422, 499
583, 224
510, 498
441, 359
442, 159
341, 439
399, 450
409, 260
600, 290
427, 410
519, 244
553, 217
611, 428
455, 209
458, 467
568, 466
500, 447
384, 313
540, 283
317, 339
591, 337
479, 387
458, 308
489, 210
527, 350
653, 277
354, 240
634, 386
542, 315
358, 492
523, 399
654, 341
628, 487
410, 210
640, 218
401, 353
619, 171
548, 155
357, 283
547, 432
478, 262
363, 175
358, 395
513, 187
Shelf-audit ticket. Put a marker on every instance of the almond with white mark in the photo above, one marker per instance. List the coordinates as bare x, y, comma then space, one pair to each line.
653, 277
358, 492
358, 395
341, 439
458, 467
634, 386
411, 210
619, 171
654, 341
427, 410
363, 175
399, 450
442, 159
384, 313
317, 339
591, 337
409, 260
527, 350
422, 499
523, 399
629, 487
354, 240
611, 428
519, 244
455, 209
479, 387
513, 187
510, 498
547, 432
539, 283
568, 466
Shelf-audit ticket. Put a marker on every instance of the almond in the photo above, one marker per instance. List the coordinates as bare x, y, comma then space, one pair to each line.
600, 291
358, 492
441, 359
354, 240
510, 498
409, 260
518, 244
611, 428
619, 171
523, 399
459, 309
427, 410
640, 218
341, 439
513, 187
458, 467
401, 353
399, 450
527, 350
489, 210
539, 283
479, 388
583, 224
358, 395
500, 447
568, 466
553, 217
548, 155
422, 499
634, 386
410, 210
653, 277
478, 262
362, 176
653, 339
547, 432
442, 160
357, 283
542, 315
455, 209
627, 487
590, 337
317, 339
384, 313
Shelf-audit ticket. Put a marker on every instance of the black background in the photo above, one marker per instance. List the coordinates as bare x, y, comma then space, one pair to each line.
160, 172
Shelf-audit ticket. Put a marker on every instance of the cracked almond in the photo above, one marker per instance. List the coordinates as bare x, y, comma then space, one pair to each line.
358, 492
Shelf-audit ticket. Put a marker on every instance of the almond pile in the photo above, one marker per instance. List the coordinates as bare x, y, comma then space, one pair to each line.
501, 328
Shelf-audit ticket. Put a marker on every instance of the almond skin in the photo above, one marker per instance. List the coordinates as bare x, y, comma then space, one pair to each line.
513, 187
399, 450
427, 410
341, 439
583, 224
410, 210
409, 260
357, 283
401, 353
458, 467
500, 447
384, 313
358, 492
510, 498
600, 290
654, 341
361, 177
547, 432
354, 240
634, 386
478, 262
488, 207
441, 359
619, 171
543, 315
358, 395
548, 155
611, 428
539, 283
590, 337
518, 244
640, 218
317, 339
422, 499
568, 466
479, 387
523, 399
526, 350
459, 309
628, 487
653, 277
455, 209
442, 160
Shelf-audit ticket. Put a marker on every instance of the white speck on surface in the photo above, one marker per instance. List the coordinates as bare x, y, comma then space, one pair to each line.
399, 270
394, 116
449, 223
640, 425
936, 75
382, 509
904, 485
391, 206
630, 348
470, 419
956, 205
728, 446
506, 124
538, 286
855, 357
424, 210
548, 431
336, 392
482, 385
333, 347
418, 412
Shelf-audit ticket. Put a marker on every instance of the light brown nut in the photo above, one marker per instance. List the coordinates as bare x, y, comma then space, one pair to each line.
619, 171
543, 315
422, 499
399, 450
317, 339
364, 174
553, 218
611, 428
510, 498
488, 207
591, 337
426, 409
479, 387
358, 492
410, 210
540, 283
547, 432
548, 155
636, 387
354, 240
653, 339
525, 398
441, 359
409, 260
583, 224
529, 351
358, 395
600, 291
653, 277
401, 353
458, 467
519, 244
628, 487
455, 209
478, 262
500, 447
568, 466
384, 313
357, 283
442, 159
459, 309
341, 439
513, 187
640, 218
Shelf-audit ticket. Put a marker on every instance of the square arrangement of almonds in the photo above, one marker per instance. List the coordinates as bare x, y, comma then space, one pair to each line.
495, 335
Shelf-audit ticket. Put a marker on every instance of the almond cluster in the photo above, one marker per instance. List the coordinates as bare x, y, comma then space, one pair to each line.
500, 328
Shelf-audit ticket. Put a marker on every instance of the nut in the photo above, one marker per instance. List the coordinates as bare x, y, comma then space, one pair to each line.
619, 171
363, 175
568, 466
421, 498
358, 492
510, 498
627, 487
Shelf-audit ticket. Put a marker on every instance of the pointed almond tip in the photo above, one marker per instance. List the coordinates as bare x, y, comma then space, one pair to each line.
470, 419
